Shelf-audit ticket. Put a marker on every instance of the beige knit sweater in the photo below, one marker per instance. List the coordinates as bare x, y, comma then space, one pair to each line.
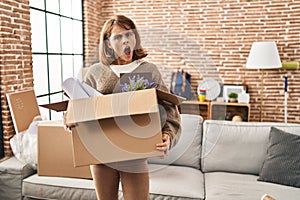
103, 79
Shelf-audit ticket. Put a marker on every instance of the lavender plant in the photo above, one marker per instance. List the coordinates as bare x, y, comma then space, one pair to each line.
137, 82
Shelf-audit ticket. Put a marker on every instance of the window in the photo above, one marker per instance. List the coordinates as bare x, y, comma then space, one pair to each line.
57, 48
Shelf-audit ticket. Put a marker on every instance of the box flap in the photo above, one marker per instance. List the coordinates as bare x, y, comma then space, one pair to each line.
58, 106
112, 105
23, 108
62, 106
172, 98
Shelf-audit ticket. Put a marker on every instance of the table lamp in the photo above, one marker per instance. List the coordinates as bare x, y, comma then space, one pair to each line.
263, 55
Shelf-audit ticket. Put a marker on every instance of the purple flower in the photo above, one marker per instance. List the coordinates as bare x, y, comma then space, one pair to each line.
137, 82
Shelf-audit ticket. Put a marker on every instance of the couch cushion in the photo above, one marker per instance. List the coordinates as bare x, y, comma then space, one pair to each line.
232, 186
282, 163
166, 182
45, 187
176, 182
188, 149
12, 173
237, 146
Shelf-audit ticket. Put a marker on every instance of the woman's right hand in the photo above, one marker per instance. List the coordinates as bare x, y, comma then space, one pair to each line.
68, 126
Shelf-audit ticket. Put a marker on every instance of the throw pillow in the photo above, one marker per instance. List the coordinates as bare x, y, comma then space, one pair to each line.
282, 163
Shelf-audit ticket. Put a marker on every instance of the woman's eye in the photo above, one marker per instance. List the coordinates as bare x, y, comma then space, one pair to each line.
118, 37
128, 34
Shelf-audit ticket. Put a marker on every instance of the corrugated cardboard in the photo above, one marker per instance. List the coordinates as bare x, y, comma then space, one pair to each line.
104, 141
58, 106
23, 108
55, 155
174, 99
116, 127
113, 105
127, 127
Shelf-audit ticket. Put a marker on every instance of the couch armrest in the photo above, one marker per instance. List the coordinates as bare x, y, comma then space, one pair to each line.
12, 173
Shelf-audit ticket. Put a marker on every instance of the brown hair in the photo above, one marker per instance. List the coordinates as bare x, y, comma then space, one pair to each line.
106, 55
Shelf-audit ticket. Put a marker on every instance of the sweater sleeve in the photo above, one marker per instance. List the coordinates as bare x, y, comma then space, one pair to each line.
90, 80
170, 119
169, 113
102, 78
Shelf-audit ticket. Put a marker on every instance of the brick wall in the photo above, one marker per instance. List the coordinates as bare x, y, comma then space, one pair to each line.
207, 38
92, 28
212, 39
15, 57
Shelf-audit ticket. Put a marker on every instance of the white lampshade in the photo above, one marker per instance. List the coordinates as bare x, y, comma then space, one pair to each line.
263, 55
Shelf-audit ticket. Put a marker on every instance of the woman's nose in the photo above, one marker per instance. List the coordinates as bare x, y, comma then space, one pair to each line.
125, 40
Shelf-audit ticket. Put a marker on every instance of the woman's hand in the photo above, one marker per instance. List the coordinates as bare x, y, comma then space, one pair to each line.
165, 145
68, 126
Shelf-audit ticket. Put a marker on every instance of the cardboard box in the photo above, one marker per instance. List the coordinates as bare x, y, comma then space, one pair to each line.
23, 108
55, 156
116, 127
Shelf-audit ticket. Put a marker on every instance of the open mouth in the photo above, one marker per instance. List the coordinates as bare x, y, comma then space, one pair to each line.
127, 51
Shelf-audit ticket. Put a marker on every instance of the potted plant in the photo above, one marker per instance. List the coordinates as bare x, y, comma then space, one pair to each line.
232, 97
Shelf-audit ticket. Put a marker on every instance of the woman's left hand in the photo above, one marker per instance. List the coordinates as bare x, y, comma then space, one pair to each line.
165, 145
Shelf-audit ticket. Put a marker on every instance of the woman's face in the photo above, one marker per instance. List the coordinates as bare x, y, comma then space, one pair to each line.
123, 42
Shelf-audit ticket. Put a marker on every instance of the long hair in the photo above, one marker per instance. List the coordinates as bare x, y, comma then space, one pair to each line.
106, 54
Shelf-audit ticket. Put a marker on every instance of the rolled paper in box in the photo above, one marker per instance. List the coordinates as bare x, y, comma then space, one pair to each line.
290, 65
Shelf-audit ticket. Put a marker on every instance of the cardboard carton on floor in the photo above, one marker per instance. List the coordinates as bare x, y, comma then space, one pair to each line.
55, 157
116, 127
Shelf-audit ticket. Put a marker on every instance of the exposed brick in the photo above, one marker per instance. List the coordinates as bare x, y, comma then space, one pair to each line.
15, 70
207, 38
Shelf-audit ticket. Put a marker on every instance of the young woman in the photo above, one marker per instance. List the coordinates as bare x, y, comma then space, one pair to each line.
120, 51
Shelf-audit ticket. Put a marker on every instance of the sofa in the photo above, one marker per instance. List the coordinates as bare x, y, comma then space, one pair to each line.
213, 160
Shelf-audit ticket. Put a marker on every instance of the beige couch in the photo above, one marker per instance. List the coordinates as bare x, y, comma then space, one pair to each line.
214, 160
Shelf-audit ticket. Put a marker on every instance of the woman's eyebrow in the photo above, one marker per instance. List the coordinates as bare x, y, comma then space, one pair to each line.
117, 35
